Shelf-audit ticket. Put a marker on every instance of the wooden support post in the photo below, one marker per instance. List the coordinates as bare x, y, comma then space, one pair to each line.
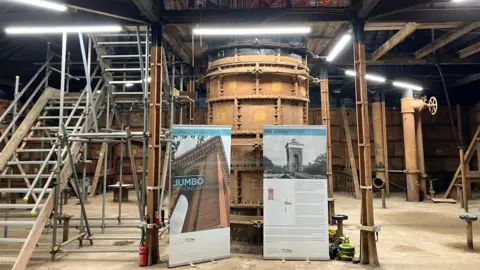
100, 161
385, 145
154, 147
368, 245
384, 203
378, 142
66, 226
469, 235
464, 179
325, 101
351, 154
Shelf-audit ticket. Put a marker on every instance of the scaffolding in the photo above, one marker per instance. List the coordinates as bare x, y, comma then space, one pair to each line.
48, 147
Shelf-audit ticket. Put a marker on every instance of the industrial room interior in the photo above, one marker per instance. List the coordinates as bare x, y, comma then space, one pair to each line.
92, 94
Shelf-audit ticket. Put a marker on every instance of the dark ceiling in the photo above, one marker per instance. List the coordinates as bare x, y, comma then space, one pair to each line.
19, 53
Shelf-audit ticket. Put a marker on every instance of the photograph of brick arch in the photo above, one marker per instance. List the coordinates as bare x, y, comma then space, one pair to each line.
200, 178
295, 156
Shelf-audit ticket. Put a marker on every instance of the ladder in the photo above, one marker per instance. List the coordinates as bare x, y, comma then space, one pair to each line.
35, 144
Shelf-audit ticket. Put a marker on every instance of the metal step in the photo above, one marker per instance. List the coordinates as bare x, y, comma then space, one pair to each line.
65, 108
8, 260
56, 117
53, 128
18, 206
31, 162
24, 224
31, 150
23, 190
119, 43
40, 139
12, 240
20, 176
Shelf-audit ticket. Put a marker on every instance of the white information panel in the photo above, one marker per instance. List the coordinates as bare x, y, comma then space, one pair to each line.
295, 191
200, 204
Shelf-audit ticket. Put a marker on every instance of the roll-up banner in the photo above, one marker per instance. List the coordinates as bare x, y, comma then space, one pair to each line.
200, 204
295, 195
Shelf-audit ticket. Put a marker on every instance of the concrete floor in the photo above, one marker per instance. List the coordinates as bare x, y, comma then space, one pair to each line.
414, 236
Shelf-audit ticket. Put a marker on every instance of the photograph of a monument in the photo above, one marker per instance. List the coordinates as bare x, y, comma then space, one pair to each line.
200, 178
293, 156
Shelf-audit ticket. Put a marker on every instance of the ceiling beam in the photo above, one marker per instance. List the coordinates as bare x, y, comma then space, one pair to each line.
402, 60
174, 40
395, 40
385, 26
149, 8
467, 80
475, 48
446, 39
366, 8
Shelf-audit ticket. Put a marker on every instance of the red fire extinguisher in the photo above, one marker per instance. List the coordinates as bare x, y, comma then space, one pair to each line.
142, 255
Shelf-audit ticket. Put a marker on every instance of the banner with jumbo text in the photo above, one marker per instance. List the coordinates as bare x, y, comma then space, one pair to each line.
295, 199
200, 204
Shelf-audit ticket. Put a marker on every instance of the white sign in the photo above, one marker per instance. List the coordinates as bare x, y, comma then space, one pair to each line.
295, 198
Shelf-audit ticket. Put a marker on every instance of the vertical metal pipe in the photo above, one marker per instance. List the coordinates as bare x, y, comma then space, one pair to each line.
181, 77
469, 235
378, 123
67, 88
140, 57
408, 114
145, 120
421, 156
88, 78
121, 178
105, 161
385, 145
59, 145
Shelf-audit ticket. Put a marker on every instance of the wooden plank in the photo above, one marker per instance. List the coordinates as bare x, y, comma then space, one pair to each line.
471, 50
98, 168
446, 39
351, 155
467, 80
36, 231
385, 26
24, 128
395, 40
443, 200
468, 156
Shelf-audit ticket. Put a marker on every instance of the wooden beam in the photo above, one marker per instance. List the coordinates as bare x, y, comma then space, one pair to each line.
473, 49
366, 8
395, 40
24, 128
351, 154
446, 39
174, 40
100, 161
384, 26
467, 80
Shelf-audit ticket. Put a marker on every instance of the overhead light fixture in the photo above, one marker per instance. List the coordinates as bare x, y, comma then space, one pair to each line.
43, 4
63, 29
128, 84
408, 86
458, 1
339, 47
251, 31
369, 77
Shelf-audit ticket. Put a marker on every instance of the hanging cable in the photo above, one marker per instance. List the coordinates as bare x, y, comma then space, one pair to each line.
460, 141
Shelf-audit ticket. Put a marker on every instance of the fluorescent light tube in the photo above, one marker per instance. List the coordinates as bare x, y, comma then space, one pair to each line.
43, 4
63, 29
369, 77
408, 86
339, 47
251, 31
128, 84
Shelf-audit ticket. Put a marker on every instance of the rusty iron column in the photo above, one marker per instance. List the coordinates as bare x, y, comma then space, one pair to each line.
421, 157
378, 140
411, 164
325, 104
154, 143
368, 245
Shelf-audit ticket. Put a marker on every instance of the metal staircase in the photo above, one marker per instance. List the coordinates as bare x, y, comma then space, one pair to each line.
30, 163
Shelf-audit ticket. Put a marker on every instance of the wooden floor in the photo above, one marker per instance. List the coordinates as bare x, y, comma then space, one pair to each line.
414, 236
